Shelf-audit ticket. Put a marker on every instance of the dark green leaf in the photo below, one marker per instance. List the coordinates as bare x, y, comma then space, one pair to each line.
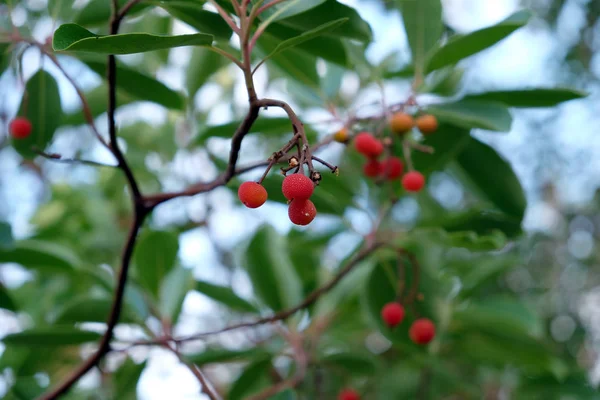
41, 256
91, 309
211, 356
50, 336
273, 277
174, 287
447, 143
481, 221
6, 237
290, 8
494, 177
203, 64
139, 85
354, 363
154, 256
6, 301
535, 97
252, 379
41, 106
460, 47
204, 21
98, 12
72, 37
126, 379
444, 82
470, 114
226, 296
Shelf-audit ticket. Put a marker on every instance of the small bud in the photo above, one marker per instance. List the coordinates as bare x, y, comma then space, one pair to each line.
387, 141
336, 171
293, 162
316, 176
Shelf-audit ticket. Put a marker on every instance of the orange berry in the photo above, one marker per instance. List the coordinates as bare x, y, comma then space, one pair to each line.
392, 168
392, 314
20, 128
401, 123
341, 136
427, 124
368, 145
302, 211
413, 181
422, 331
252, 194
297, 186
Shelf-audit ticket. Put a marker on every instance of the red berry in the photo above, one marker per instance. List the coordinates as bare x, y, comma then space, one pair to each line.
392, 314
368, 145
297, 186
252, 194
302, 211
392, 168
348, 394
20, 128
372, 168
413, 181
422, 331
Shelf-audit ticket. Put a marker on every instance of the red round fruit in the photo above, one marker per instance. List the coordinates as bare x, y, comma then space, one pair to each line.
392, 168
392, 314
413, 181
372, 168
422, 331
252, 194
20, 128
302, 211
297, 186
368, 145
348, 394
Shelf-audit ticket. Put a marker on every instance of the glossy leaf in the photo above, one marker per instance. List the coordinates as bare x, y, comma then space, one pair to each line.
530, 98
154, 256
469, 114
174, 287
273, 277
306, 36
423, 24
41, 256
139, 85
447, 143
194, 15
226, 296
72, 37
480, 221
494, 177
50, 336
460, 47
41, 106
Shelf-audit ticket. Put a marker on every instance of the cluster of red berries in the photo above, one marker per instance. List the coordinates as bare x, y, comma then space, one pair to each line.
422, 330
390, 169
20, 128
297, 188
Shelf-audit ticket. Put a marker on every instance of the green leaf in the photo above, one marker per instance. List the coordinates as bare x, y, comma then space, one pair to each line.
447, 143
204, 21
445, 82
41, 256
98, 12
226, 296
266, 126
203, 64
6, 237
126, 379
423, 24
530, 98
494, 177
356, 28
306, 36
217, 355
50, 336
41, 106
91, 309
460, 47
480, 221
297, 8
252, 379
61, 9
273, 277
139, 85
72, 37
6, 302
175, 286
468, 114
154, 256
354, 363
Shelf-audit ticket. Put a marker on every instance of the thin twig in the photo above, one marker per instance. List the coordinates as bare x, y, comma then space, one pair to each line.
58, 158
206, 386
226, 17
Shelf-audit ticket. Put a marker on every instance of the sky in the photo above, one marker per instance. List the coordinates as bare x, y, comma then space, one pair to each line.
527, 58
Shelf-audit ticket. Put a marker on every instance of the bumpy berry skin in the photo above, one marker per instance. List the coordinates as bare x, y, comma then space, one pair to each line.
422, 331
372, 169
297, 186
302, 211
252, 194
368, 145
348, 394
427, 124
392, 168
341, 136
413, 181
392, 314
401, 123
20, 128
